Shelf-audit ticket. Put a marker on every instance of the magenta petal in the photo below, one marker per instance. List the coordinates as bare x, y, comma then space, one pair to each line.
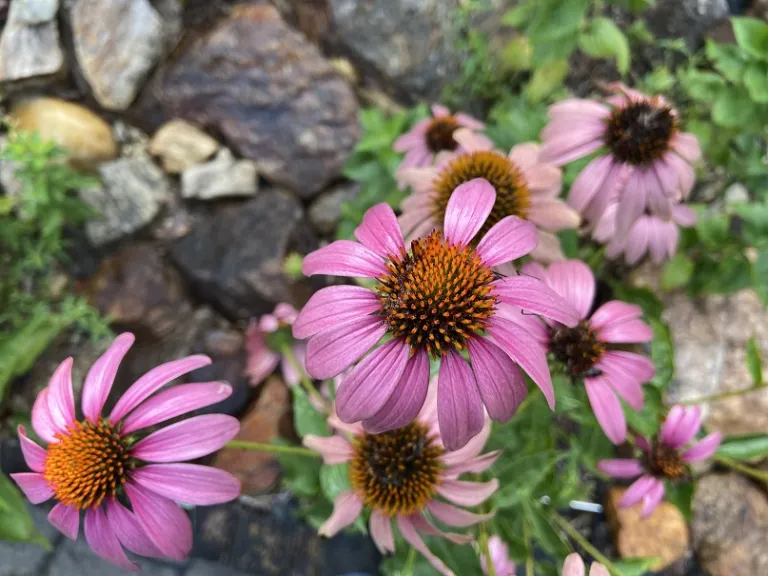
366, 389
468, 208
175, 402
380, 232
128, 531
412, 537
66, 519
467, 493
346, 509
573, 565
333, 449
41, 418
628, 389
675, 415
101, 376
406, 400
621, 468
499, 380
632, 203
167, 526
637, 491
332, 306
334, 350
188, 439
34, 486
626, 332
574, 281
381, 532
509, 239
471, 449
630, 365
607, 409
614, 312
61, 401
188, 483
704, 448
652, 498
534, 296
34, 456
588, 182
344, 258
103, 540
459, 405
687, 429
453, 516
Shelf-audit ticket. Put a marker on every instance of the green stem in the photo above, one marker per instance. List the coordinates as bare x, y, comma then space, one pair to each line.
272, 448
721, 396
528, 549
583, 542
748, 471
486, 550
306, 383
408, 570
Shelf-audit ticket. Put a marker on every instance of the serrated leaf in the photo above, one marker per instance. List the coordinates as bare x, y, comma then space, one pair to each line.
603, 39
745, 448
676, 272
752, 36
754, 362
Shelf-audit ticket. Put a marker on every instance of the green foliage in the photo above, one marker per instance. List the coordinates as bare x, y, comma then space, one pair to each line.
745, 448
603, 39
15, 522
755, 362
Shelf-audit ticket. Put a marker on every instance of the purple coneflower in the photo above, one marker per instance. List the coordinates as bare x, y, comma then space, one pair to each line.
647, 161
264, 341
101, 465
402, 474
574, 566
502, 563
665, 458
525, 187
436, 300
586, 349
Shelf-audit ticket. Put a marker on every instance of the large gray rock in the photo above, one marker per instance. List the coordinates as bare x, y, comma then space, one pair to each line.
36, 11
325, 211
78, 558
689, 19
29, 46
22, 559
223, 176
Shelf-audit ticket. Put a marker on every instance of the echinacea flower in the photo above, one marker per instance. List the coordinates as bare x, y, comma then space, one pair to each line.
264, 341
574, 566
437, 299
525, 187
650, 235
663, 458
99, 464
647, 162
587, 349
401, 474
502, 564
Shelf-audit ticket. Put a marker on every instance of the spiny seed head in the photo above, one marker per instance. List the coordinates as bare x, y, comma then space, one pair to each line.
87, 464
512, 195
640, 132
439, 135
578, 348
665, 462
437, 296
396, 472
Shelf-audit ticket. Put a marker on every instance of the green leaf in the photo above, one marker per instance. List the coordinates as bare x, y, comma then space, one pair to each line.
15, 522
646, 422
528, 472
544, 533
756, 81
516, 55
334, 480
700, 85
751, 35
662, 353
754, 362
603, 39
301, 475
728, 60
681, 495
306, 418
745, 448
546, 80
519, 15
760, 275
634, 566
733, 108
676, 272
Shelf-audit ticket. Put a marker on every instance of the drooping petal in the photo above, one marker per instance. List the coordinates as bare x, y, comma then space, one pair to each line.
334, 350
626, 332
614, 312
66, 519
128, 531
412, 537
589, 182
469, 141
632, 366
474, 465
621, 468
598, 569
34, 456
628, 389
61, 401
188, 439
576, 143
687, 429
675, 415
632, 203
366, 389
101, 376
166, 525
34, 486
468, 121
188, 483
346, 509
509, 239
637, 241
333, 449
381, 532
573, 565
574, 281
103, 540
544, 180
687, 145
534, 296
332, 306
380, 232
652, 498
553, 214
467, 210
548, 248
261, 361
459, 405
607, 409
424, 527
525, 156
41, 418
344, 258
704, 448
453, 516
467, 493
471, 449
637, 491
499, 380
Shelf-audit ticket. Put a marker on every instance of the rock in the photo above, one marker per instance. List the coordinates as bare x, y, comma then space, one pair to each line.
205, 568
222, 176
181, 145
131, 195
269, 93
259, 471
86, 138
76, 557
730, 526
116, 62
30, 50
325, 211
411, 44
26, 559
132, 141
234, 258
689, 19
664, 534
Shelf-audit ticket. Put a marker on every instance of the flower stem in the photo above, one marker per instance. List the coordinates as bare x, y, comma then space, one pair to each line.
306, 383
408, 570
486, 550
272, 448
528, 549
721, 395
583, 542
738, 466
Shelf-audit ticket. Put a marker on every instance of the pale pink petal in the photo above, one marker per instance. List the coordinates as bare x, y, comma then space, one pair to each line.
704, 448
637, 491
553, 214
34, 486
381, 532
626, 332
652, 498
632, 203
687, 145
413, 220
499, 380
407, 399
152, 381
267, 323
355, 429
467, 493
344, 258
188, 483
41, 418
471, 449
34, 455
574, 281
686, 176
413, 538
657, 202
468, 208
621, 468
684, 216
607, 409
657, 241
424, 527
61, 401
453, 516
687, 429
573, 144
548, 248
334, 350
346, 510
545, 179
534, 325
101, 376
468, 121
508, 240
416, 157
380, 232
66, 519
525, 156
475, 465
284, 312
614, 312
333, 449
459, 405
291, 375
573, 565
589, 182
103, 540
668, 429
598, 569
414, 136
579, 107
188, 439
332, 306
167, 526
535, 270
261, 361
438, 110
128, 531
471, 142
534, 296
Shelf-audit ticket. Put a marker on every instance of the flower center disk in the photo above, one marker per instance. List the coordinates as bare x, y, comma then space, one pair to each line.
578, 348
87, 465
439, 135
396, 472
512, 195
640, 133
665, 462
436, 296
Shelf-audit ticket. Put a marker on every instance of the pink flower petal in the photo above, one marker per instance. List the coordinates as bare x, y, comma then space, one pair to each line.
544, 179
333, 449
344, 258
346, 510
573, 565
628, 389
637, 241
188, 439
468, 208
438, 110
509, 239
598, 569
626, 332
188, 483
684, 216
128, 531
467, 493
355, 429
687, 145
424, 527
334, 350
704, 448
632, 203
630, 365
637, 491
103, 540
381, 532
548, 247
261, 361
452, 516
380, 232
574, 281
471, 449
34, 456
553, 214
652, 498
413, 137
525, 156
152, 381
475, 465
468, 121
166, 525
34, 486
621, 468
607, 409
589, 182
574, 144
61, 401
534, 296
101, 376
412, 537
41, 418
66, 519
175, 402
406, 400
579, 107
499, 380
371, 383
534, 325
291, 375
459, 405
614, 312
470, 142
687, 429
668, 429
332, 306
